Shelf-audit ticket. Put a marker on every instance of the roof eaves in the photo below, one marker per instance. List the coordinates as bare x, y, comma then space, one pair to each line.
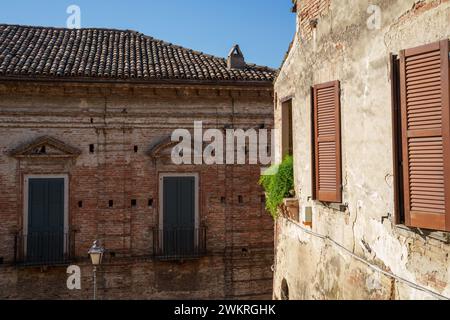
246, 83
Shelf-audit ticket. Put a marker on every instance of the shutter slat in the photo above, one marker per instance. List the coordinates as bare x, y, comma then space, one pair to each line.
425, 93
423, 194
430, 64
429, 113
327, 142
426, 138
412, 60
428, 171
424, 88
424, 81
422, 73
432, 203
421, 86
426, 153
436, 190
425, 101
416, 165
420, 77
426, 108
327, 108
423, 122
326, 116
328, 102
425, 97
327, 124
325, 93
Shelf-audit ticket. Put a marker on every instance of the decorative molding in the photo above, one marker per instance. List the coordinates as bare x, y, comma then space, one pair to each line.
45, 147
287, 98
157, 149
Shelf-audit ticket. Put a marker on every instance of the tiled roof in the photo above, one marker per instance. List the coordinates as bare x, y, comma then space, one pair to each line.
104, 54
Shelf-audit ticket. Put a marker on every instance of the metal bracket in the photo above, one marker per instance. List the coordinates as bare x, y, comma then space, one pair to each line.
387, 217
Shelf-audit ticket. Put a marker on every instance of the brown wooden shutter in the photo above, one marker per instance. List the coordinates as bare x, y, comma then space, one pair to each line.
327, 142
424, 88
286, 126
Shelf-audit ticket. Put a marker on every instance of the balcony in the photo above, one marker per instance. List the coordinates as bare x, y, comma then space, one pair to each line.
179, 243
44, 248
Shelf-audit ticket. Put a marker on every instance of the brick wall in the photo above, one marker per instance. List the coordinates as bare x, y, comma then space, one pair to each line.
115, 119
307, 12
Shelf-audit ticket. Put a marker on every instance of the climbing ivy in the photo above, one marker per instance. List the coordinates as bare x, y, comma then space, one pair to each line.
278, 182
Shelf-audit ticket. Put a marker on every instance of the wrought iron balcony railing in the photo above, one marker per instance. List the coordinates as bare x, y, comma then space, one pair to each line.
44, 248
179, 243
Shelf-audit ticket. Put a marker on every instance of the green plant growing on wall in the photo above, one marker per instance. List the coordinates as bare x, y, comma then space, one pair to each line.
278, 182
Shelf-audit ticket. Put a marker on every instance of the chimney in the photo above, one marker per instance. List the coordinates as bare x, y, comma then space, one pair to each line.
235, 58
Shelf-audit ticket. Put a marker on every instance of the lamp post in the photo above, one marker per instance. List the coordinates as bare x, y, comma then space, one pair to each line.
96, 254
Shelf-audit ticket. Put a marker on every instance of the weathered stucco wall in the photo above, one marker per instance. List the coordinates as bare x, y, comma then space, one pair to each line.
115, 118
344, 48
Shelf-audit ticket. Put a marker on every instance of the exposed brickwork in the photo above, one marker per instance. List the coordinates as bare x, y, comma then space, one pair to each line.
420, 7
308, 11
115, 119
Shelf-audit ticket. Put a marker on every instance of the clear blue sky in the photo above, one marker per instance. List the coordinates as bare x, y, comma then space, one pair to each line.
263, 28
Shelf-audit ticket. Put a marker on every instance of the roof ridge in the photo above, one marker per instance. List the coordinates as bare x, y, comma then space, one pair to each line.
177, 46
68, 29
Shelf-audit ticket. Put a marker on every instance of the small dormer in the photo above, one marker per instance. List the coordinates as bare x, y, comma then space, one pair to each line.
235, 58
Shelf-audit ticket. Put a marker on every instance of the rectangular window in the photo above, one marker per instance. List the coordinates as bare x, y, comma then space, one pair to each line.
424, 170
179, 234
326, 178
286, 125
44, 239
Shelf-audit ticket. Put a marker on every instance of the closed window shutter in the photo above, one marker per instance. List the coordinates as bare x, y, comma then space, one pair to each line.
327, 142
424, 94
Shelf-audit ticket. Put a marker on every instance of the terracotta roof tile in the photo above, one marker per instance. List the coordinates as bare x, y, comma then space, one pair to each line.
42, 52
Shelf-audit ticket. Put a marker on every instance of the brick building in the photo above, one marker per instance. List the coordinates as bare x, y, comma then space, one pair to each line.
85, 121
367, 85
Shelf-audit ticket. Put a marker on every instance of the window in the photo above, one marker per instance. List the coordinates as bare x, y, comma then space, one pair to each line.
422, 136
179, 234
326, 142
45, 237
286, 127
397, 139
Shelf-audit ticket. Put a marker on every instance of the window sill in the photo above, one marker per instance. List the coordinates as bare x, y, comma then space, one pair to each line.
424, 233
338, 207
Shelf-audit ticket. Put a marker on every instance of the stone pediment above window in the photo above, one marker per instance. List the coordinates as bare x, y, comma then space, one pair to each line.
162, 148
45, 147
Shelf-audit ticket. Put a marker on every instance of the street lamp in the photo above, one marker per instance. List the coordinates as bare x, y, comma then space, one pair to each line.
96, 254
